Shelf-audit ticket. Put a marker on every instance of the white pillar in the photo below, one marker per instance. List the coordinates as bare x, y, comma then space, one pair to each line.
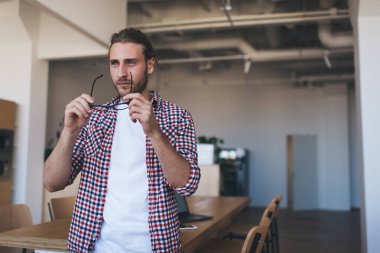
368, 98
24, 80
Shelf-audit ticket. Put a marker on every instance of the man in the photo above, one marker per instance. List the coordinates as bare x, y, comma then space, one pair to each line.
131, 161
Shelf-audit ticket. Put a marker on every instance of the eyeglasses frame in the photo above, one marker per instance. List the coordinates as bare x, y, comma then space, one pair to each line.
114, 106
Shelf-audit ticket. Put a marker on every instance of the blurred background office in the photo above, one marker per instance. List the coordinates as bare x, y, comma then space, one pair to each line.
286, 81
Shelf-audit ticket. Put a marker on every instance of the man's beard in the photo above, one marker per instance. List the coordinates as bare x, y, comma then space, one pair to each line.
142, 85
136, 87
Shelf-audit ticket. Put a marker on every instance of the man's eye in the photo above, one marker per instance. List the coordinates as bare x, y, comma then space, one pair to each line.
131, 62
113, 63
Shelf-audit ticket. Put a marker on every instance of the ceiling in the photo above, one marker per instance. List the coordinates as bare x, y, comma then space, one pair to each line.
311, 37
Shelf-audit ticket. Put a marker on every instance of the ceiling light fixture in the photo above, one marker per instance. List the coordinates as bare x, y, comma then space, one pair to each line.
247, 66
205, 66
226, 7
326, 59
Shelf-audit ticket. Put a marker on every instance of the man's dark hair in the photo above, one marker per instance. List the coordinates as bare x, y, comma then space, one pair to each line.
135, 36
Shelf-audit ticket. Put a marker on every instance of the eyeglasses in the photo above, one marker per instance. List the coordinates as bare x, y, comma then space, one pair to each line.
115, 104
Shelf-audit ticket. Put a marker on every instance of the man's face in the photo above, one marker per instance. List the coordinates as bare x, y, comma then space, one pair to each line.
126, 59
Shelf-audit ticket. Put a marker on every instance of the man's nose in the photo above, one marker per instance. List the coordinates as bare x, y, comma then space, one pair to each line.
123, 71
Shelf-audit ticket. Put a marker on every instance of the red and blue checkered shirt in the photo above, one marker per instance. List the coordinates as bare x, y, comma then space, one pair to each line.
91, 157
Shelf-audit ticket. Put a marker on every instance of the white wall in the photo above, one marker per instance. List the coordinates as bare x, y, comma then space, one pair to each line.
24, 80
368, 96
30, 31
95, 18
257, 117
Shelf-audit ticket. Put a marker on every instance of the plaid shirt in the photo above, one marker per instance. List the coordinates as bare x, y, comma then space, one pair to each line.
91, 157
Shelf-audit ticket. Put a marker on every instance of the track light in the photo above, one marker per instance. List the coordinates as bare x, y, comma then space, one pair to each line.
327, 60
247, 66
205, 66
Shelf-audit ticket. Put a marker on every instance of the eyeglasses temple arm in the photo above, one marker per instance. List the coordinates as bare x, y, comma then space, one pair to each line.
93, 83
130, 73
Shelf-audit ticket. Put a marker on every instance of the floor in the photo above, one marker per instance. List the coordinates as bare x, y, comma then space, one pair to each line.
310, 231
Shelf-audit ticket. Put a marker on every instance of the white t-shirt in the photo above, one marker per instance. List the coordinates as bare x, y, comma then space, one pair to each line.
125, 224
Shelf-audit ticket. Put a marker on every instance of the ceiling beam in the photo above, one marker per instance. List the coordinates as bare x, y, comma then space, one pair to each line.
243, 21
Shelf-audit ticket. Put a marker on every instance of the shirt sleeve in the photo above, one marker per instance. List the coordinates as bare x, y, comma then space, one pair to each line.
186, 145
77, 158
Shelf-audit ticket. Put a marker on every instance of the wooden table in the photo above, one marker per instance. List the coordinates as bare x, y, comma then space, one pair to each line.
222, 209
53, 235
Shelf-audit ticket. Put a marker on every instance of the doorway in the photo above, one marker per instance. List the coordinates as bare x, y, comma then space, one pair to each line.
302, 172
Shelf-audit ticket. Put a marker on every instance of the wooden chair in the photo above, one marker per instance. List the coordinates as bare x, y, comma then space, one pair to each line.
277, 199
253, 243
12, 217
269, 218
256, 240
275, 247
61, 207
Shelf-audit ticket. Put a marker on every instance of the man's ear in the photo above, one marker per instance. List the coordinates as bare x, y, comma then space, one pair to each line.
151, 65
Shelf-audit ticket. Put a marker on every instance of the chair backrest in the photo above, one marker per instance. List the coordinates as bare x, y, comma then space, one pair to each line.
273, 234
62, 207
14, 216
268, 215
255, 240
277, 200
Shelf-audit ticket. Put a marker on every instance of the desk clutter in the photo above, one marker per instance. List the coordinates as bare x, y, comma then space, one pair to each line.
234, 172
228, 176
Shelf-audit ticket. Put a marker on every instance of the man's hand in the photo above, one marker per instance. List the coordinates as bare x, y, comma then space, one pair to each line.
58, 165
77, 113
140, 109
175, 167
